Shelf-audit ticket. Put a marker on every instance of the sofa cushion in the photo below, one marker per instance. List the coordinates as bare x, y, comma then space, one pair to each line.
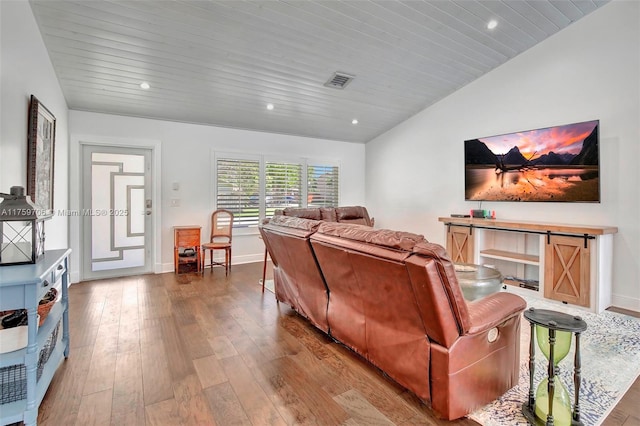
449, 280
307, 213
398, 240
372, 306
298, 279
328, 214
295, 222
353, 214
348, 212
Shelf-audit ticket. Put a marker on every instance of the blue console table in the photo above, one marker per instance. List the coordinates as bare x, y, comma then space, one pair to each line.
21, 287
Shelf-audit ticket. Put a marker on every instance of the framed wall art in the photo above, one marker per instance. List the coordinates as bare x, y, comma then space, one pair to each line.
40, 156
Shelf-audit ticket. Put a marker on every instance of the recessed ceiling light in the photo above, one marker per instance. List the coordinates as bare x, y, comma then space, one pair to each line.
144, 85
354, 121
269, 107
492, 24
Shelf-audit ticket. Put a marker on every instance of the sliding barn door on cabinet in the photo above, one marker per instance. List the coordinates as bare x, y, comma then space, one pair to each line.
460, 244
567, 269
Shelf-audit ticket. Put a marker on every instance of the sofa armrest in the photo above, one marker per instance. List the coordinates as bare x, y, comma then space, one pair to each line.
493, 310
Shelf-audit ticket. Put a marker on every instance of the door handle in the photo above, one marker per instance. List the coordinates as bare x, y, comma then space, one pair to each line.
148, 212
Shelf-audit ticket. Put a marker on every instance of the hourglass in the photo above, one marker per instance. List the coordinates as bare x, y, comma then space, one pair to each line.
551, 403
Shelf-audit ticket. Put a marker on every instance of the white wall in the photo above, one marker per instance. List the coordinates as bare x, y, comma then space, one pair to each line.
187, 159
590, 70
26, 70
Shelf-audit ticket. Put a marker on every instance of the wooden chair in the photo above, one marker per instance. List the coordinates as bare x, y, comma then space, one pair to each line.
221, 227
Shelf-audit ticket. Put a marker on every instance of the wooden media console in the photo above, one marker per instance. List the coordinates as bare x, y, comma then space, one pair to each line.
567, 263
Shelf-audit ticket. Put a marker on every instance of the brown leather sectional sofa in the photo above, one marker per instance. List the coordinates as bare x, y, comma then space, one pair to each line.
393, 298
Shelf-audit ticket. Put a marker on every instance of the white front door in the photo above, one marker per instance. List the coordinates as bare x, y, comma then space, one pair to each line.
116, 210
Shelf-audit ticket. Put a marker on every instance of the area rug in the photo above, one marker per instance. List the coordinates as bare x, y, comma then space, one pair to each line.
610, 354
268, 285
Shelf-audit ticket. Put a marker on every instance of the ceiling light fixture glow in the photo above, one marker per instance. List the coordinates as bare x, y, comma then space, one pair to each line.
144, 85
492, 24
270, 107
354, 121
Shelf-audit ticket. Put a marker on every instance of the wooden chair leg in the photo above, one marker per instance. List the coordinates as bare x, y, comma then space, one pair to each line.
226, 262
264, 269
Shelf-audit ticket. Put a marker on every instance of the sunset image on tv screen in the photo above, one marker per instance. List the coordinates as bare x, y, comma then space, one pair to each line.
558, 163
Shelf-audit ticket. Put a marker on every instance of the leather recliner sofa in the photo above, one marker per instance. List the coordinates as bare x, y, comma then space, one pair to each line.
394, 298
357, 215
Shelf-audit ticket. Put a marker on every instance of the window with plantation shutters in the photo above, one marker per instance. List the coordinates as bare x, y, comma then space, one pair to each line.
253, 187
283, 186
322, 186
238, 190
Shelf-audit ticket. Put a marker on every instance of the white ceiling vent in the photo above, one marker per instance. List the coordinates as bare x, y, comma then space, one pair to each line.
339, 80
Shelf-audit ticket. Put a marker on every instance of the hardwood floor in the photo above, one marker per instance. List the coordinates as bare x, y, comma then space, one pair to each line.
213, 350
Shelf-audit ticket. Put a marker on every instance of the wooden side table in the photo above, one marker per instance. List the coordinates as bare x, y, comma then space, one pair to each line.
186, 238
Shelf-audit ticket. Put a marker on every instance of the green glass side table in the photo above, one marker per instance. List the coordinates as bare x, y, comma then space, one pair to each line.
550, 404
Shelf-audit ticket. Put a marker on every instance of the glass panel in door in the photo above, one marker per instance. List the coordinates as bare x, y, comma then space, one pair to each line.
117, 212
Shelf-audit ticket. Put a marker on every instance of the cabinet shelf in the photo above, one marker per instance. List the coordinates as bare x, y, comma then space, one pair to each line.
509, 256
21, 287
18, 356
523, 283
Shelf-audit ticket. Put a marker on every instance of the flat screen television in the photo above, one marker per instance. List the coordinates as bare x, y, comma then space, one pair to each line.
559, 163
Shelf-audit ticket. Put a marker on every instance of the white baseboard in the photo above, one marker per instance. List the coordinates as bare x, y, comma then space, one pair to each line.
626, 302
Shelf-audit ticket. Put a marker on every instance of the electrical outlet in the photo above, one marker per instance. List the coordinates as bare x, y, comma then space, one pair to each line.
175, 202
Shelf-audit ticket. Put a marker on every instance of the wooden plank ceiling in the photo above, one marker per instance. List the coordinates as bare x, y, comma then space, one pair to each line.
222, 62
